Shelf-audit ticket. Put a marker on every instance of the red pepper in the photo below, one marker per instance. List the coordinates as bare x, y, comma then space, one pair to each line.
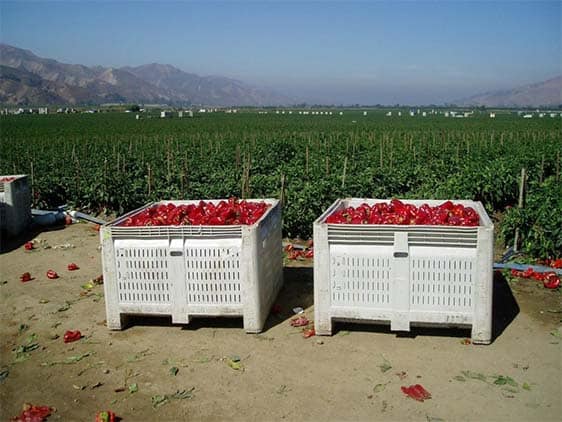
71, 336
551, 281
25, 277
105, 416
557, 263
72, 267
31, 413
308, 332
28, 246
309, 253
416, 392
301, 321
52, 274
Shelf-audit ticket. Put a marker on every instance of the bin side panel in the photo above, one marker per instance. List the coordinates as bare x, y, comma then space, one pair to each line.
360, 276
212, 271
442, 279
142, 272
270, 261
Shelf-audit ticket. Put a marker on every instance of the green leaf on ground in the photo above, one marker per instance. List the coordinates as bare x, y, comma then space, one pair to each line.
174, 371
526, 386
234, 363
4, 372
133, 388
505, 380
158, 401
379, 387
385, 365
459, 378
138, 356
474, 375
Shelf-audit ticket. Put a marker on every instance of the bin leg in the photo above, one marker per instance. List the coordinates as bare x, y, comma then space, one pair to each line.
252, 323
116, 321
323, 326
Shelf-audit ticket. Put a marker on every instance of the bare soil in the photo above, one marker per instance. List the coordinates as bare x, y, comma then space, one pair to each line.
354, 375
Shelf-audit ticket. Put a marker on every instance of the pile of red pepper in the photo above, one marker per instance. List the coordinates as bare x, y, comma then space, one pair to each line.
231, 212
305, 253
554, 263
397, 212
7, 179
550, 279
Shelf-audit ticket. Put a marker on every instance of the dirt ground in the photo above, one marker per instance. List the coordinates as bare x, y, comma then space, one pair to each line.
355, 375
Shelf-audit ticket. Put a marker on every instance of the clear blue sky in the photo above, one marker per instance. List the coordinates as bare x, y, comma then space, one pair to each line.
327, 51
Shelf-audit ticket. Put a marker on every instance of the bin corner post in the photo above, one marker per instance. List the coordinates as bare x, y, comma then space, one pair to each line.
249, 278
401, 283
178, 282
115, 321
322, 290
483, 294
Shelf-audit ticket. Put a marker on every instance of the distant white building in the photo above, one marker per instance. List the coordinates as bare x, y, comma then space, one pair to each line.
43, 110
389, 113
364, 113
492, 115
164, 114
527, 116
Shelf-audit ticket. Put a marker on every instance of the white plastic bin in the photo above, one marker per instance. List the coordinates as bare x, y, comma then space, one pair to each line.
186, 271
15, 204
403, 275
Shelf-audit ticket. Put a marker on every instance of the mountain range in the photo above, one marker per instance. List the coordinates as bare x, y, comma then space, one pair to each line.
547, 93
26, 79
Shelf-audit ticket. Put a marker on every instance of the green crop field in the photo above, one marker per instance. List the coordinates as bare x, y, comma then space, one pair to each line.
111, 162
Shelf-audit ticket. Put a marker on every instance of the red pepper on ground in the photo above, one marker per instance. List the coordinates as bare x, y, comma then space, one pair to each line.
105, 416
25, 277
52, 274
416, 392
276, 309
308, 332
72, 267
301, 321
28, 246
31, 413
551, 281
71, 336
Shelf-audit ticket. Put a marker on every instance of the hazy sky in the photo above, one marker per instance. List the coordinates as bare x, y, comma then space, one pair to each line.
321, 51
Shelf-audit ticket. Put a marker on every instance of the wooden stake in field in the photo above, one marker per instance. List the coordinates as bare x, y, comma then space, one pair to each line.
149, 180
520, 206
306, 163
32, 182
282, 194
344, 171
